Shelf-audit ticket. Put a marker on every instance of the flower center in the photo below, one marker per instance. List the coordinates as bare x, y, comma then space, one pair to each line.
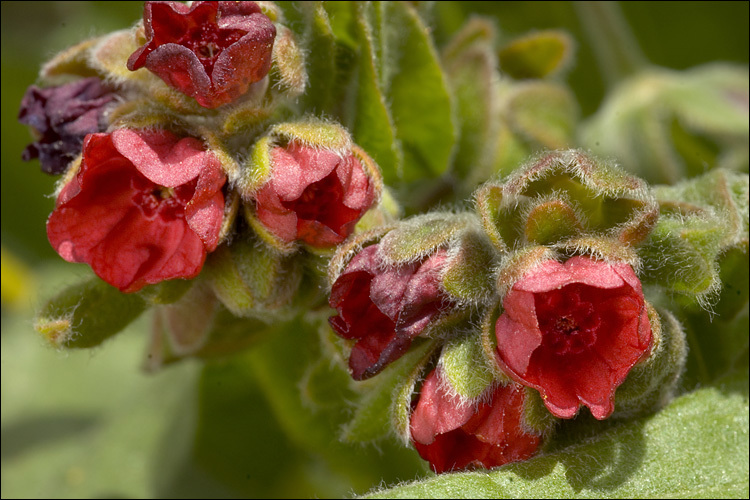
207, 41
322, 201
159, 201
568, 319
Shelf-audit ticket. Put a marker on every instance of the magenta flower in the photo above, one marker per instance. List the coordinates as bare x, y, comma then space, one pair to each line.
144, 207
61, 117
453, 436
315, 195
573, 331
212, 51
384, 308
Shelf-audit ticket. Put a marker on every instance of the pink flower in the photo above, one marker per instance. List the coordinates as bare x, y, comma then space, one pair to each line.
144, 207
384, 308
573, 331
453, 436
315, 195
212, 51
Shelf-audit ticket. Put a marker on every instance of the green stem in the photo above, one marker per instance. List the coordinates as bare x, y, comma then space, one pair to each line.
614, 45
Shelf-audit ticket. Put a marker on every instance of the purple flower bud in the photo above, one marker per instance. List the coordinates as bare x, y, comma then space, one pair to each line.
61, 117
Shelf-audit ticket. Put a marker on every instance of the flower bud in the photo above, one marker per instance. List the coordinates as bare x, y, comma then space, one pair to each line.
564, 195
210, 51
383, 308
61, 117
455, 436
251, 279
573, 332
308, 183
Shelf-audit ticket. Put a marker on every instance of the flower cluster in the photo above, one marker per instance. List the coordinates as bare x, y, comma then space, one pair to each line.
199, 178
547, 265
146, 200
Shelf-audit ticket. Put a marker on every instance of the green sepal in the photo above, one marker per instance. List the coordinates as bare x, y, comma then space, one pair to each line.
419, 236
351, 246
537, 54
651, 383
550, 220
536, 417
680, 255
87, 314
488, 204
735, 278
723, 192
465, 367
604, 248
400, 411
166, 292
372, 418
467, 276
72, 62
251, 279
288, 77
605, 200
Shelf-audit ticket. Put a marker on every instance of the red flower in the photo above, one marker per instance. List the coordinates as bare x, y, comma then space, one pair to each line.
212, 51
573, 331
144, 207
315, 195
453, 436
384, 309
61, 117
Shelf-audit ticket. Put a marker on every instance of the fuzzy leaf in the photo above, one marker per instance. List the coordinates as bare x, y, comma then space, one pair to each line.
418, 95
87, 314
372, 125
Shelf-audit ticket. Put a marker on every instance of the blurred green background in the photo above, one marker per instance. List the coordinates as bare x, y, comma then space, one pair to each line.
90, 424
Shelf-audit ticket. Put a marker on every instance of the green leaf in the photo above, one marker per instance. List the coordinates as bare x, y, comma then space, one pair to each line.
418, 95
695, 447
371, 124
87, 314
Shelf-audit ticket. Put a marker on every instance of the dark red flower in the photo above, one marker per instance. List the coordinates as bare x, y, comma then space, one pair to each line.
314, 195
61, 117
212, 51
144, 207
384, 308
455, 436
573, 331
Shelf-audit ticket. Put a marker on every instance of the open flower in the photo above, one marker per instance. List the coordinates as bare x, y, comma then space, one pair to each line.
143, 207
315, 195
454, 436
384, 308
573, 331
212, 51
61, 117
